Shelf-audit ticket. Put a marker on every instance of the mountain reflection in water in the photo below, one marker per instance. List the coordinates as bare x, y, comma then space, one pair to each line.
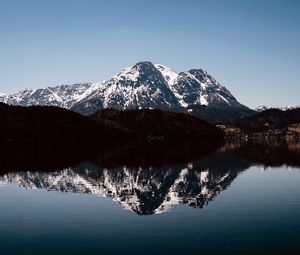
146, 189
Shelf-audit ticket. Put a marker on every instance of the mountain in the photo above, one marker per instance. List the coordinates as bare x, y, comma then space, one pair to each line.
61, 96
262, 108
155, 86
3, 98
142, 86
139, 87
197, 87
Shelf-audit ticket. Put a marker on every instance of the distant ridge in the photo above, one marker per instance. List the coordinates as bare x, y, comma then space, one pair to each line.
262, 108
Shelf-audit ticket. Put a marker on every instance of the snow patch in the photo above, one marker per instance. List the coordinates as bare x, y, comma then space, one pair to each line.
203, 100
169, 75
223, 98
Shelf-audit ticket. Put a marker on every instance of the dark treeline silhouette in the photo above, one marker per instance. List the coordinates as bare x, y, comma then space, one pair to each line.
218, 115
160, 125
50, 137
223, 158
53, 124
271, 119
50, 125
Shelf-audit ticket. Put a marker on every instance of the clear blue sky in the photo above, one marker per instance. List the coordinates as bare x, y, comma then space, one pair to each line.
251, 47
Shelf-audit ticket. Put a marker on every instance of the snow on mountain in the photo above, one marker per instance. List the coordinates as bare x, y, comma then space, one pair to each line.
143, 85
3, 98
169, 75
62, 96
171, 78
137, 87
144, 190
262, 108
197, 87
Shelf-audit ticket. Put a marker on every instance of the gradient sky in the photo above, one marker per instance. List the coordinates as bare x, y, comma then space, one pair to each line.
251, 47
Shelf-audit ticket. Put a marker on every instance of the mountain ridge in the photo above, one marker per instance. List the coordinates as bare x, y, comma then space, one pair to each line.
141, 86
262, 108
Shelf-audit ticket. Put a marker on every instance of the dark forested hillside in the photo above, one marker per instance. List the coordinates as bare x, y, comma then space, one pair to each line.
161, 125
49, 124
57, 125
269, 120
217, 115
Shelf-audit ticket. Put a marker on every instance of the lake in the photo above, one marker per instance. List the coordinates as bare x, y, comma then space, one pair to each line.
241, 198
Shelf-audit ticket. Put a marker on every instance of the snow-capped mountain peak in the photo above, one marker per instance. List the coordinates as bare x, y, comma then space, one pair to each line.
204, 78
61, 96
140, 86
262, 108
3, 98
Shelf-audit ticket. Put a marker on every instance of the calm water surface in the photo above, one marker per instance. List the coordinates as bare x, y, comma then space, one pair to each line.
231, 202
